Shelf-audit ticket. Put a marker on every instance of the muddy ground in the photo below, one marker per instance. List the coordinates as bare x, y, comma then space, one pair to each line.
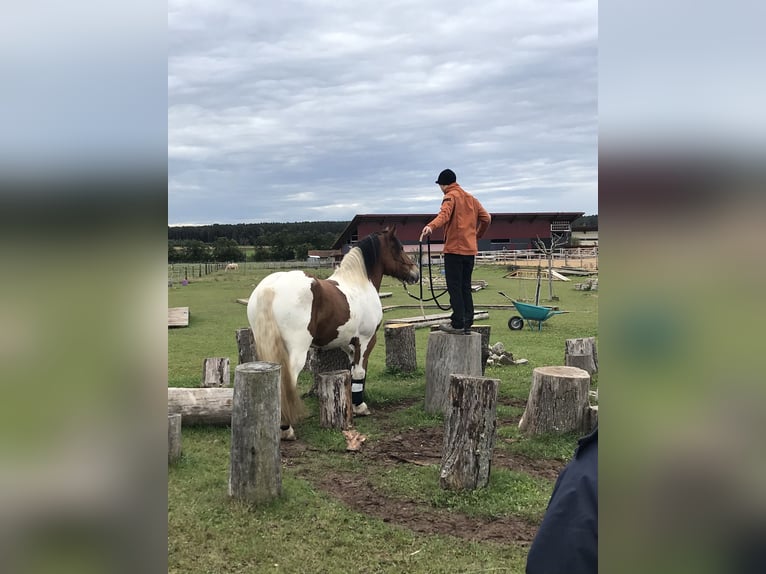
420, 447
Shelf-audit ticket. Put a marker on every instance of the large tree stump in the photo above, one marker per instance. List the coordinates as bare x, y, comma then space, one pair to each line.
581, 353
246, 345
469, 433
215, 372
255, 473
558, 401
320, 361
447, 354
334, 391
484, 331
174, 437
401, 354
201, 406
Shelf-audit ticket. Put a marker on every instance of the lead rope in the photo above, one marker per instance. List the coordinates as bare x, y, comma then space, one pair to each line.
434, 297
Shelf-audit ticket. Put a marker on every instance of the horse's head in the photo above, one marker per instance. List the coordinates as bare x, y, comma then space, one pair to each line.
395, 262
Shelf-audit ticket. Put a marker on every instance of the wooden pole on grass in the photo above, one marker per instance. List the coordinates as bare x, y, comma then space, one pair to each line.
401, 354
469, 433
447, 354
558, 401
174, 437
255, 474
334, 391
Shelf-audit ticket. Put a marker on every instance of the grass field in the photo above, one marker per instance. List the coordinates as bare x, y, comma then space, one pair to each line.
310, 529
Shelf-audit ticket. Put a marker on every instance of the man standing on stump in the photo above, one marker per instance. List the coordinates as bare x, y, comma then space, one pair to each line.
464, 220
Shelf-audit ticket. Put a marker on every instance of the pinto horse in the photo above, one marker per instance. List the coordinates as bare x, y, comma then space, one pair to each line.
290, 311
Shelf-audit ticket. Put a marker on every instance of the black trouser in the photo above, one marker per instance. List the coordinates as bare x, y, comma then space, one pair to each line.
457, 272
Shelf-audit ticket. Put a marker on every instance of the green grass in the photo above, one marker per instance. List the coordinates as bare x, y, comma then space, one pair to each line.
308, 531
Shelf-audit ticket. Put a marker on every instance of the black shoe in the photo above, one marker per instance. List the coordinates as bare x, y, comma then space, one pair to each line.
450, 329
467, 331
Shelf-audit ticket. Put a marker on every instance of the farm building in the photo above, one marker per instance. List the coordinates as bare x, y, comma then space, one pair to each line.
509, 231
585, 232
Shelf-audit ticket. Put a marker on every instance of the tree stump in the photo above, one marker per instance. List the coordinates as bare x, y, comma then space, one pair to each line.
448, 354
209, 406
320, 361
484, 331
581, 353
469, 433
400, 347
255, 473
215, 372
334, 391
174, 438
558, 401
246, 345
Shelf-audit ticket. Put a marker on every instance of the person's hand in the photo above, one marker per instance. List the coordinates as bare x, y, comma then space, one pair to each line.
426, 232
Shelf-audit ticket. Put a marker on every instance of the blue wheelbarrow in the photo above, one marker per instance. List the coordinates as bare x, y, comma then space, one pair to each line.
530, 313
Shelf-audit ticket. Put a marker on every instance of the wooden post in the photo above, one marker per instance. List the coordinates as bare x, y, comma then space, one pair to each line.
581, 353
209, 406
558, 401
215, 372
320, 361
334, 390
246, 345
447, 354
484, 331
174, 438
401, 354
255, 473
469, 433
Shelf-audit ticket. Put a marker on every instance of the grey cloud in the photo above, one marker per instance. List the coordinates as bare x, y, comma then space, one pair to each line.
356, 110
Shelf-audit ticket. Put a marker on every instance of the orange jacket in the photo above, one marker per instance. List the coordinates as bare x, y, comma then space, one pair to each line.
464, 219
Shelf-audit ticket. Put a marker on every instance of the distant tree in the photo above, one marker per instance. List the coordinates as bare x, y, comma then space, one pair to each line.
260, 253
195, 250
225, 249
302, 251
174, 255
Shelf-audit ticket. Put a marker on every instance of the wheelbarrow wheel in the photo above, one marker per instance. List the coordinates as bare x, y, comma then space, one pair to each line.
515, 323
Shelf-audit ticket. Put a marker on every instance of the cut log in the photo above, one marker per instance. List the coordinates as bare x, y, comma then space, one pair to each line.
215, 372
401, 353
449, 354
324, 361
591, 418
246, 345
255, 472
334, 391
581, 353
484, 331
469, 433
558, 401
201, 406
174, 438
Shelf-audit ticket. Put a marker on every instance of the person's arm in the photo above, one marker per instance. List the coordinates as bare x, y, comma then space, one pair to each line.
448, 205
484, 220
567, 541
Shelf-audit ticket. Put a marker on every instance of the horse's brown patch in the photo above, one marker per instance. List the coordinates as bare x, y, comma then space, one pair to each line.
329, 311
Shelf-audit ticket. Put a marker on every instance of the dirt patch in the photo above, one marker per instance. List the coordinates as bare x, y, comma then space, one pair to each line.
358, 492
420, 447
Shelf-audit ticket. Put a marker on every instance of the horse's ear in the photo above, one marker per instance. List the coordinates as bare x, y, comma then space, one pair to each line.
392, 229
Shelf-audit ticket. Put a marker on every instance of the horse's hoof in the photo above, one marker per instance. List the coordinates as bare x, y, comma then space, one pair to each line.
361, 410
289, 434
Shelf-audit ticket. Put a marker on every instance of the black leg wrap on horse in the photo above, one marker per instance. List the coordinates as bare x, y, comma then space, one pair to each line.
283, 427
357, 391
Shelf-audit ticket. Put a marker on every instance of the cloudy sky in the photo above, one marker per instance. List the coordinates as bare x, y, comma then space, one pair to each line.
310, 110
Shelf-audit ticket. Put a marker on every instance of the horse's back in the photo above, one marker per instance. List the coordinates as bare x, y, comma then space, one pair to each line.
283, 298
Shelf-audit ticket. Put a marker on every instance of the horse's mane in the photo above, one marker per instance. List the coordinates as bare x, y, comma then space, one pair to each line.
361, 258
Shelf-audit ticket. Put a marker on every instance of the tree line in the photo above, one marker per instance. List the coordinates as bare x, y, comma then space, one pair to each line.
264, 241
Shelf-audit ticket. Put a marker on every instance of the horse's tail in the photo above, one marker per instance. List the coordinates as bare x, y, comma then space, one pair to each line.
270, 347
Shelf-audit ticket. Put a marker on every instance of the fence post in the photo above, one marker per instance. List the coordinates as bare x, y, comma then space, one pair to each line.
255, 474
